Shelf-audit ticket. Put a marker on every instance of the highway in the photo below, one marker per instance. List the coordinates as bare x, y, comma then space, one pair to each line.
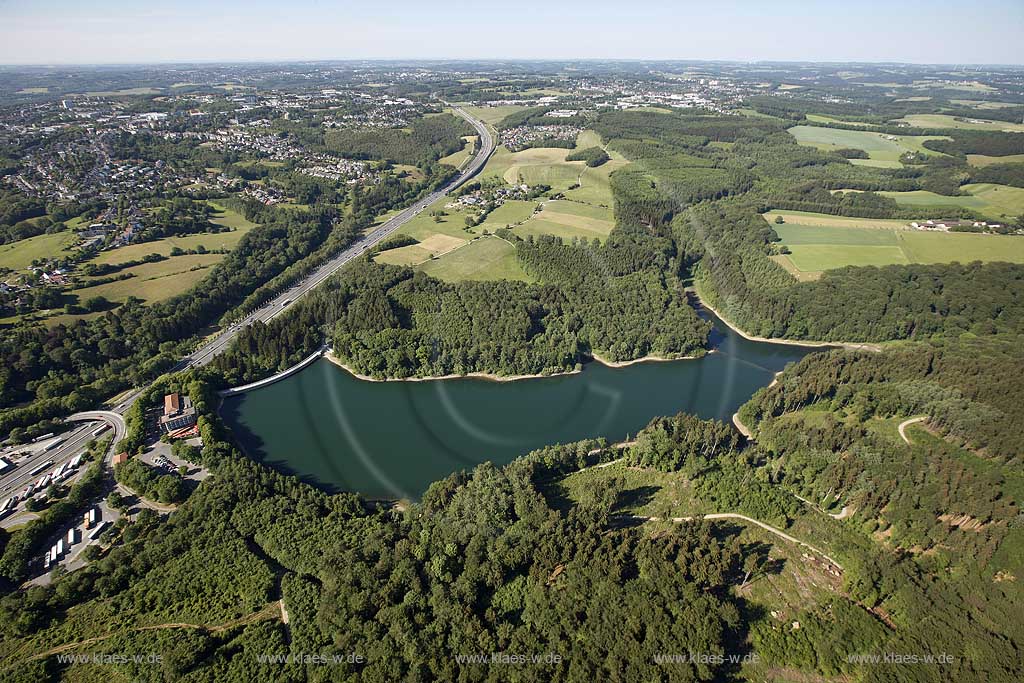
268, 311
74, 441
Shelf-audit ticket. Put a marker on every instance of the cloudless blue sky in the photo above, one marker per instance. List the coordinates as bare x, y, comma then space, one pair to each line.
121, 31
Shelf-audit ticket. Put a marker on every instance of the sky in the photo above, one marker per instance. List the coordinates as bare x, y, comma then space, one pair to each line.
144, 31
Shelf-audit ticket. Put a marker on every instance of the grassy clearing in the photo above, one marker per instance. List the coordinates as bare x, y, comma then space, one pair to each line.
982, 160
985, 104
996, 201
947, 121
588, 138
821, 118
535, 166
824, 219
801, 276
816, 248
156, 281
228, 218
414, 254
924, 247
509, 214
485, 258
569, 219
423, 226
457, 159
19, 255
222, 240
882, 150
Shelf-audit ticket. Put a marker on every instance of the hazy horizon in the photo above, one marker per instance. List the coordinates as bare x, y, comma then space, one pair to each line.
117, 32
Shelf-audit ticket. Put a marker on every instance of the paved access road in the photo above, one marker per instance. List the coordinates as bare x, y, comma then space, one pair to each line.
205, 354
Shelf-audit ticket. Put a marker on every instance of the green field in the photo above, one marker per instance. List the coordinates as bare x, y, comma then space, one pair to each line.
493, 115
509, 214
883, 152
994, 201
569, 219
947, 121
817, 248
534, 166
156, 281
456, 159
982, 160
985, 104
808, 218
413, 254
222, 240
485, 258
821, 118
20, 255
588, 214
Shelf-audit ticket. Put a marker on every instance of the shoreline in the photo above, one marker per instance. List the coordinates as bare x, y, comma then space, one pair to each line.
491, 377
850, 346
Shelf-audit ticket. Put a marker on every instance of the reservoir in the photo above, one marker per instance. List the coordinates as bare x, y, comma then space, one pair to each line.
392, 439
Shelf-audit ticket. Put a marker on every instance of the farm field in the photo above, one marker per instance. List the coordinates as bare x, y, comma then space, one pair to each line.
485, 258
413, 254
947, 121
995, 201
816, 248
586, 213
824, 219
20, 255
882, 151
569, 219
156, 281
982, 160
493, 115
534, 166
985, 104
821, 118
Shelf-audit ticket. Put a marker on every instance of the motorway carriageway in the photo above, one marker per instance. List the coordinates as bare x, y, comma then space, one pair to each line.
75, 440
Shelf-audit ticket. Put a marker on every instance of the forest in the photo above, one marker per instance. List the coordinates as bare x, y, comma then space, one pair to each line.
924, 527
494, 560
429, 139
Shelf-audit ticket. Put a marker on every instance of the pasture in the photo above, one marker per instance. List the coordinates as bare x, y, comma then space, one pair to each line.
534, 166
569, 219
20, 255
457, 159
586, 213
485, 258
221, 240
982, 160
436, 245
947, 121
493, 115
830, 245
155, 281
882, 151
993, 201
